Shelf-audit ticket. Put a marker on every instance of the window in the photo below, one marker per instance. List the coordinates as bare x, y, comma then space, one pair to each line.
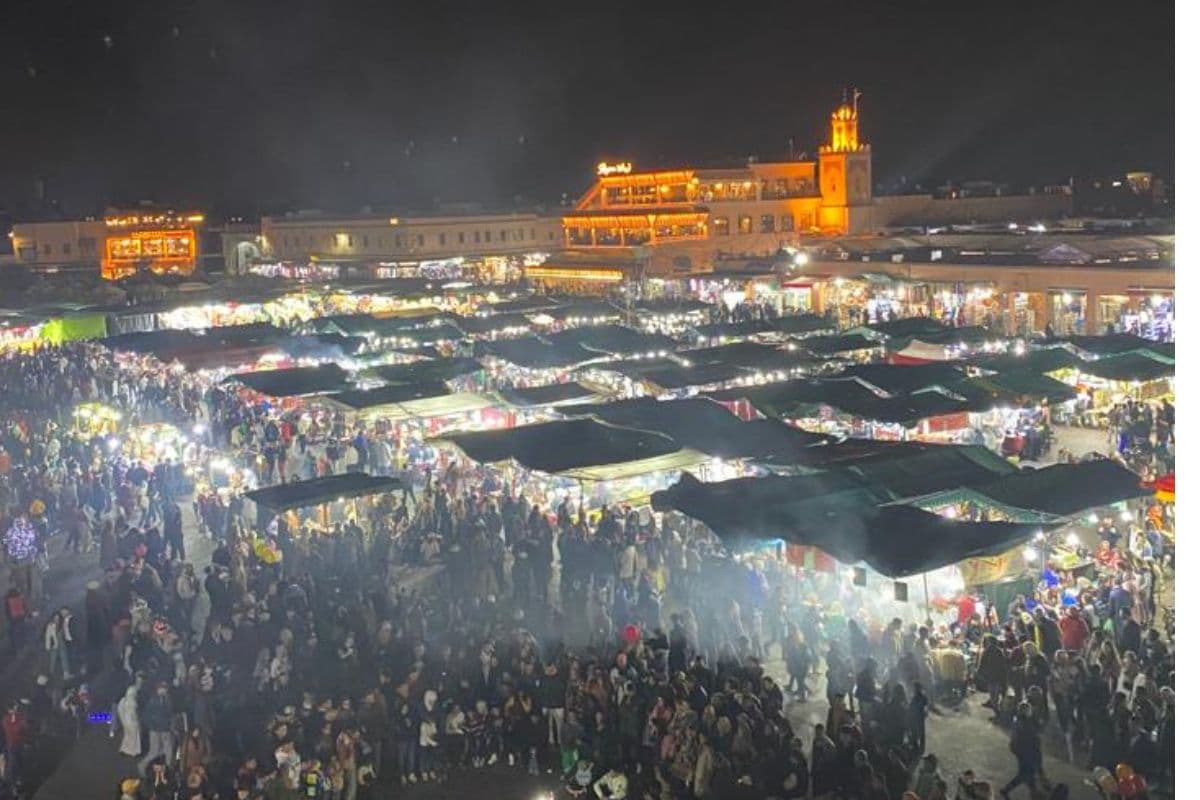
520, 234
504, 236
533, 235
766, 223
365, 243
787, 223
720, 226
66, 248
87, 245
462, 237
745, 224
550, 235
487, 236
45, 249
441, 240
476, 237
397, 240
420, 240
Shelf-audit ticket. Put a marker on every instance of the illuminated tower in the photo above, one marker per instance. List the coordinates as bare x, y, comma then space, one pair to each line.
845, 165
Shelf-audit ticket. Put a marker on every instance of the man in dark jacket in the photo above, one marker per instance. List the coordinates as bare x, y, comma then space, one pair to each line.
1130, 638
552, 697
1026, 745
157, 717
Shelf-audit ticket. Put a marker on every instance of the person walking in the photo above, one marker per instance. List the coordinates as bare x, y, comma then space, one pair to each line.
1026, 745
131, 728
158, 716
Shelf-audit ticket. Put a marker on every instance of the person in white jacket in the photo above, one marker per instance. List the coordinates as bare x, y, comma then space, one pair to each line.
57, 639
131, 728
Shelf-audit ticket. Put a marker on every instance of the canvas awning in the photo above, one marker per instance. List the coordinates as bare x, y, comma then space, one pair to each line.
707, 427
1130, 367
297, 382
845, 518
550, 394
1066, 489
442, 369
317, 491
533, 352
563, 446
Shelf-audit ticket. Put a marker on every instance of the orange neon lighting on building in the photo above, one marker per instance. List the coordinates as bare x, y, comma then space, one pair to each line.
160, 250
634, 221
580, 274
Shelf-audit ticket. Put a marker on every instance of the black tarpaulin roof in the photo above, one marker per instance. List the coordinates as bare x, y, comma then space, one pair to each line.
442, 369
918, 327
321, 345
739, 354
902, 378
801, 324
409, 338
668, 306
681, 377
1049, 359
564, 445
151, 341
583, 310
368, 324
547, 395
719, 330
493, 323
360, 399
634, 367
522, 305
841, 516
613, 340
1066, 489
1129, 367
1016, 389
973, 334
831, 345
298, 382
1114, 344
535, 353
934, 470
314, 492
705, 426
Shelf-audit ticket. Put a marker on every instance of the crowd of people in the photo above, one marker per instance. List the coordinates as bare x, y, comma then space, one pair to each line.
626, 653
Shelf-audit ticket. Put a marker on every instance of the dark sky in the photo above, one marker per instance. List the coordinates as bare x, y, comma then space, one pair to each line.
242, 107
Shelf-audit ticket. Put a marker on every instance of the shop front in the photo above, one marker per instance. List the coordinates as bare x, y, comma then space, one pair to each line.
1068, 311
1150, 315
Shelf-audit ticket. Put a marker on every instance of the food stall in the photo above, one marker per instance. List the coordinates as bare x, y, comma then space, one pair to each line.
96, 419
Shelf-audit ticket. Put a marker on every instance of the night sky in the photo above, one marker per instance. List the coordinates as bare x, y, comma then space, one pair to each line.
257, 106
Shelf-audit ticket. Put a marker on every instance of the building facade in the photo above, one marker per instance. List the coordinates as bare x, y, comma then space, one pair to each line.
119, 245
675, 223
384, 244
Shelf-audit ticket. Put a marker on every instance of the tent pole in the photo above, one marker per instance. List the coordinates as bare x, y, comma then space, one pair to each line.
928, 615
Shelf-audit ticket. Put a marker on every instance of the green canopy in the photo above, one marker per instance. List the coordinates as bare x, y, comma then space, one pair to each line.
75, 328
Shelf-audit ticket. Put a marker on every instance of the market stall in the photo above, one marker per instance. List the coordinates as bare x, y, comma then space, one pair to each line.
96, 419
327, 501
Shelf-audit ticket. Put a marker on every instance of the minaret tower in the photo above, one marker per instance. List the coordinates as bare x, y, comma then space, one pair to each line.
845, 165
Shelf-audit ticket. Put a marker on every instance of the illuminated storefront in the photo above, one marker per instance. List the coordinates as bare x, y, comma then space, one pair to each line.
161, 243
1147, 314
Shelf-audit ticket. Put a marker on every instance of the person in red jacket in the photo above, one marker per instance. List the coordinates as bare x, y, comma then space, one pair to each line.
14, 725
1074, 630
